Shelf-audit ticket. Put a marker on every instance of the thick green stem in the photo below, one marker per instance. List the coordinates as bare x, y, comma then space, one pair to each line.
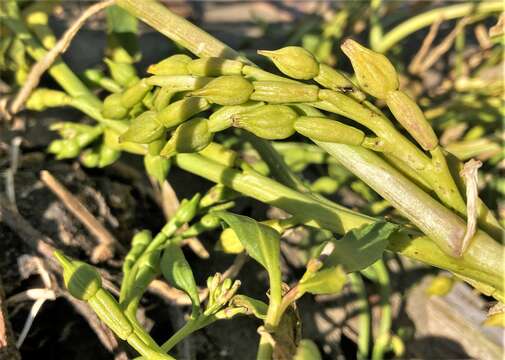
425, 19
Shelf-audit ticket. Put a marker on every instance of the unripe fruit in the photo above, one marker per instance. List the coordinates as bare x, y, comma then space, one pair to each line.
294, 61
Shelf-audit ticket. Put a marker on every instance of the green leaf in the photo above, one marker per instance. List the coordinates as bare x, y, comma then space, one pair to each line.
177, 271
256, 307
361, 247
120, 21
325, 281
261, 242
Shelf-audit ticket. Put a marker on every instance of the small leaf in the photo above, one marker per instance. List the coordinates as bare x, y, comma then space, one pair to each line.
361, 247
261, 242
256, 307
326, 281
177, 271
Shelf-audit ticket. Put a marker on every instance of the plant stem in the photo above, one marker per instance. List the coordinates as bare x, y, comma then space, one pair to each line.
364, 318
383, 336
178, 29
427, 18
482, 262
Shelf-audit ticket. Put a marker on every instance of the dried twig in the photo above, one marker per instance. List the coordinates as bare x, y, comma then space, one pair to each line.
8, 349
425, 47
237, 265
105, 238
437, 52
61, 46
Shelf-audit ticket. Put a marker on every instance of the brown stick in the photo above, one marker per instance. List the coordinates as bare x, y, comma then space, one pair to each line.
8, 350
61, 46
104, 237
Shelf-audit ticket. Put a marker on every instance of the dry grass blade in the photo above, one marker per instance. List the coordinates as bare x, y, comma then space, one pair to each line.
61, 46
470, 174
107, 241
415, 65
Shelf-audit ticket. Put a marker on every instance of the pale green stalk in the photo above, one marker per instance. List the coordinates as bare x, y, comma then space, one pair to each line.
383, 336
429, 17
364, 318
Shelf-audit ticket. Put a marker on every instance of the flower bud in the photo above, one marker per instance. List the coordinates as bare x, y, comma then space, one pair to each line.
144, 129
90, 158
42, 99
188, 209
174, 65
375, 73
135, 93
157, 167
82, 280
411, 117
181, 110
214, 66
64, 149
138, 244
294, 61
268, 122
122, 73
226, 90
191, 136
113, 108
223, 118
335, 80
277, 92
323, 129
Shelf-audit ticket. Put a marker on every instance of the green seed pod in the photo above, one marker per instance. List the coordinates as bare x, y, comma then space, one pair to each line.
294, 61
178, 83
323, 129
148, 99
214, 66
268, 122
113, 108
325, 185
375, 73
37, 18
122, 73
277, 92
135, 93
109, 311
307, 350
217, 194
220, 154
226, 90
174, 65
42, 99
223, 118
157, 167
334, 80
411, 117
82, 280
144, 129
182, 110
191, 136
162, 98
